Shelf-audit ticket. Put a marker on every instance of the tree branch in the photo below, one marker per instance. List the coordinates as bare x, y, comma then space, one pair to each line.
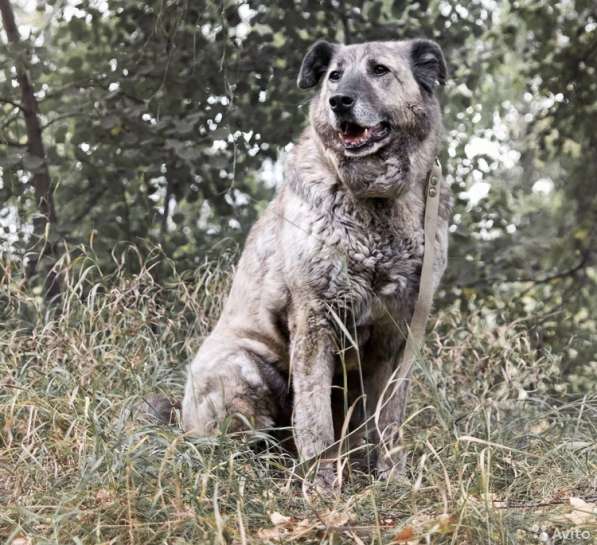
11, 143
345, 23
61, 117
584, 262
14, 104
12, 117
555, 276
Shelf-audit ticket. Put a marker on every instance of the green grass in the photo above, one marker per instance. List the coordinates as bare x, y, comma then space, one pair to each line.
495, 455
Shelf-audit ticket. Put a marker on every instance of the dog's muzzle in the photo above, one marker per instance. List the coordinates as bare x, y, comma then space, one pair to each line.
356, 137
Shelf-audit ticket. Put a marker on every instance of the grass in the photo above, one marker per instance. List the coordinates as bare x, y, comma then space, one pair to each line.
494, 456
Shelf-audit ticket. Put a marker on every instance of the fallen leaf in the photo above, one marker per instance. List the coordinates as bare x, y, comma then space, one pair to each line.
273, 534
577, 511
21, 540
492, 499
279, 519
423, 526
582, 512
404, 535
335, 518
103, 496
287, 528
357, 540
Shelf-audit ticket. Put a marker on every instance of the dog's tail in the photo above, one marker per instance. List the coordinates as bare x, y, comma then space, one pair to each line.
158, 409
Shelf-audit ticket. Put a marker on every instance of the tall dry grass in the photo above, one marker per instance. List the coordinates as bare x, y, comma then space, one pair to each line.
495, 455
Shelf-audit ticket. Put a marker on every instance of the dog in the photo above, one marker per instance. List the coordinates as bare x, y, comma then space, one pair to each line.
325, 288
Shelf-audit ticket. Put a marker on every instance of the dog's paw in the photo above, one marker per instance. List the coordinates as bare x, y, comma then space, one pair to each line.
325, 484
391, 469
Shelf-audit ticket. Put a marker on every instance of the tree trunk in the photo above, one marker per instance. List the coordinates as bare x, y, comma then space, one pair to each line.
41, 176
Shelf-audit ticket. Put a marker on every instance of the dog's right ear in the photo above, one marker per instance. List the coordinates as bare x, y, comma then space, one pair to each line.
315, 63
428, 64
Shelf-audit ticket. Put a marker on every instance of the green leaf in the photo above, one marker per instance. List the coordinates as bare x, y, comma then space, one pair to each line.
60, 134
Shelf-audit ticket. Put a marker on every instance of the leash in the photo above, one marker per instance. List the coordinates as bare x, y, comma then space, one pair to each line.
416, 330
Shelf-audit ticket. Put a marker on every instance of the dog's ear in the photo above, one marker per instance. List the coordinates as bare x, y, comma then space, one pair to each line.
315, 63
428, 64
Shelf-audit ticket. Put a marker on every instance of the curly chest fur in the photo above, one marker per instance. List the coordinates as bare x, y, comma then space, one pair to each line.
366, 254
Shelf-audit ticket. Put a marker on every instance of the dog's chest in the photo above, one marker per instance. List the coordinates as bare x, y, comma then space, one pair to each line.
369, 256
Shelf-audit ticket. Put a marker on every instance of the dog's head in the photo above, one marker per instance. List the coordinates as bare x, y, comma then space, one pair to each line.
371, 92
373, 96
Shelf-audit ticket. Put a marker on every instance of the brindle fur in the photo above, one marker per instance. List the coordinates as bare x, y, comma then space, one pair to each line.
342, 240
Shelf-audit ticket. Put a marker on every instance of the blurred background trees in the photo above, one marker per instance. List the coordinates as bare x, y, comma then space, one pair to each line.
165, 123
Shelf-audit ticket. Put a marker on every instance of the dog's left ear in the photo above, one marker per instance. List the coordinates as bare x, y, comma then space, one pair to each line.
315, 63
428, 64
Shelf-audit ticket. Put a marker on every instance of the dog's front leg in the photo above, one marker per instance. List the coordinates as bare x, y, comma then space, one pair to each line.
389, 416
312, 367
387, 396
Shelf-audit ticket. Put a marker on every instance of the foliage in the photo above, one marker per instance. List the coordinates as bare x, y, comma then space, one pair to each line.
166, 122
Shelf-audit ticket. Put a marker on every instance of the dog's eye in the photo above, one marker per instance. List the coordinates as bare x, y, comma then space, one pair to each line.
380, 69
335, 75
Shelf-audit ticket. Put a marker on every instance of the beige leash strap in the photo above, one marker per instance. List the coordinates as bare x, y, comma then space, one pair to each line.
416, 332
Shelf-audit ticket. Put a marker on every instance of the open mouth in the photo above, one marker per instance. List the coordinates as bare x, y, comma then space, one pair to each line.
355, 137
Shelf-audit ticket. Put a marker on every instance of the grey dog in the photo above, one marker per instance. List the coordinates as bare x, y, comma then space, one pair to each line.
329, 275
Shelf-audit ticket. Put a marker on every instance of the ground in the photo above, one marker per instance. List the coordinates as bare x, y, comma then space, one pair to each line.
499, 453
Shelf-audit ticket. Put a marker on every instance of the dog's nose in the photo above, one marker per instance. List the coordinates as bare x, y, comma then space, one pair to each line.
341, 103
